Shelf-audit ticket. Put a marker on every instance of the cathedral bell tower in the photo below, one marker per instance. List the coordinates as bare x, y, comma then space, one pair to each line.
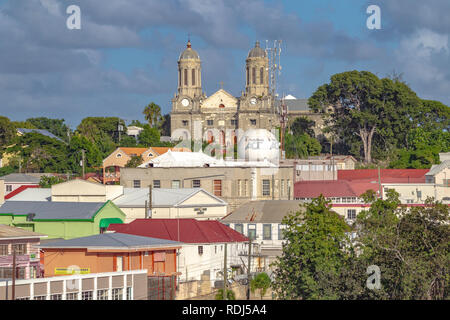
257, 72
189, 73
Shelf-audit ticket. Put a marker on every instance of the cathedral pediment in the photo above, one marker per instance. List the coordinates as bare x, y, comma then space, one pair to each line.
220, 99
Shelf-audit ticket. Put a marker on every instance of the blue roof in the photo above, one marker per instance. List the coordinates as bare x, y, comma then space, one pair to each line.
41, 131
111, 240
52, 210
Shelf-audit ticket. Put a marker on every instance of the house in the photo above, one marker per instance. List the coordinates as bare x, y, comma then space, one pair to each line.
79, 190
110, 252
64, 220
261, 221
417, 193
124, 285
439, 174
320, 167
171, 203
120, 157
134, 131
202, 244
236, 182
14, 181
25, 245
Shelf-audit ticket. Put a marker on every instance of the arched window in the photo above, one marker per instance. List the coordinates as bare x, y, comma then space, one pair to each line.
261, 75
193, 77
248, 77
185, 77
254, 75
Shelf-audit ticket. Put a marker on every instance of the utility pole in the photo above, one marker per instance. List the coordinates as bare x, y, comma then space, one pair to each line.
82, 155
149, 213
248, 267
14, 274
225, 274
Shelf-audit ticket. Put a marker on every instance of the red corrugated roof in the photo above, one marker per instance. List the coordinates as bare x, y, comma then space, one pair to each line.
183, 230
19, 190
387, 175
331, 188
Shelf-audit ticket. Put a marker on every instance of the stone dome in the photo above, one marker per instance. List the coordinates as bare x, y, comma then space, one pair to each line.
257, 51
189, 53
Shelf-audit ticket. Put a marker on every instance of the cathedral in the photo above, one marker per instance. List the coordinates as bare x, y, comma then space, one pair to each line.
221, 113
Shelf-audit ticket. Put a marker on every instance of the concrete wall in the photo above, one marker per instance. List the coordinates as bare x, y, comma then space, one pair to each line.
2, 192
229, 176
84, 191
417, 193
77, 284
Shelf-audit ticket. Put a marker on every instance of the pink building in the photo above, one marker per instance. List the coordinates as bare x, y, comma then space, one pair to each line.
26, 245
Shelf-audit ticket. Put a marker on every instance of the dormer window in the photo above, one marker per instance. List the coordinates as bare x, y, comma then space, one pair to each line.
119, 155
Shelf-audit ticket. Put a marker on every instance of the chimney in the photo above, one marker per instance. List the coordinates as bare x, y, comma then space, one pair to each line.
2, 192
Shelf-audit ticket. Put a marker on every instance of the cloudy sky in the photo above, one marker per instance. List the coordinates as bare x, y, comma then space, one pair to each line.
125, 54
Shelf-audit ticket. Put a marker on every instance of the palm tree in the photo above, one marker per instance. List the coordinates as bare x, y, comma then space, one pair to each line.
152, 114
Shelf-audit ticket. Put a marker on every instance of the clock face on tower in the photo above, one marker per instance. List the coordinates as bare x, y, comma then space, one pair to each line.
185, 102
253, 101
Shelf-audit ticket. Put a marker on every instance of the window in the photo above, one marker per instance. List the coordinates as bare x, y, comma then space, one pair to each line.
280, 232
175, 184
195, 183
23, 298
71, 296
248, 76
21, 248
40, 298
129, 293
56, 296
210, 122
351, 214
200, 250
117, 293
233, 122
8, 188
266, 187
282, 188
157, 184
185, 77
86, 295
419, 194
136, 183
193, 77
185, 123
253, 122
239, 228
261, 75
252, 231
267, 232
218, 188
3, 250
254, 75
102, 294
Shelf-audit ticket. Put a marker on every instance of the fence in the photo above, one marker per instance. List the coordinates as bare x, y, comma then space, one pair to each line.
161, 287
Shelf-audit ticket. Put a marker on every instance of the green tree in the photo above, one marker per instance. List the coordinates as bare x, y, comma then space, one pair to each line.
165, 125
301, 146
134, 162
260, 282
48, 181
312, 254
93, 156
367, 111
149, 137
7, 132
230, 295
152, 114
302, 125
55, 126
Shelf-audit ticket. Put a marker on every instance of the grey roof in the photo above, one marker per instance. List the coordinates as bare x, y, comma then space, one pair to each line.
270, 211
111, 240
20, 177
295, 105
257, 51
189, 53
435, 169
41, 131
33, 194
136, 197
52, 210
